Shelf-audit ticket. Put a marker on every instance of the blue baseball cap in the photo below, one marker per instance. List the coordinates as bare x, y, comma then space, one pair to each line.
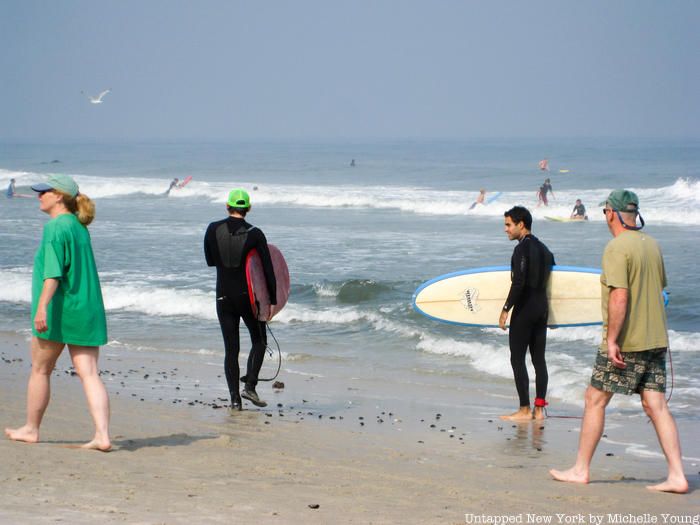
59, 182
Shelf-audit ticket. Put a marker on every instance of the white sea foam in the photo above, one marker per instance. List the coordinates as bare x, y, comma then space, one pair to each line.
16, 285
325, 289
121, 346
567, 376
658, 205
158, 301
683, 341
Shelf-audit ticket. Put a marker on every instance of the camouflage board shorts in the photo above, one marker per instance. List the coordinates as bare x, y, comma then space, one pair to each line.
645, 371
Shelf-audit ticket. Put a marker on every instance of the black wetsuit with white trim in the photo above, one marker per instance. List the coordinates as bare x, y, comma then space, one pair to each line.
531, 266
226, 246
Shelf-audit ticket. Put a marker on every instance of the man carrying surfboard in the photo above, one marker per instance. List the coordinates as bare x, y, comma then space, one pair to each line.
632, 356
226, 245
530, 266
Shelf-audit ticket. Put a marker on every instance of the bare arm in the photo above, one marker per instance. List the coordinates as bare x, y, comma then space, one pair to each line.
47, 292
617, 312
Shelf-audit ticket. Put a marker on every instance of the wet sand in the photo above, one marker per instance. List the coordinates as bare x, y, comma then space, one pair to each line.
302, 459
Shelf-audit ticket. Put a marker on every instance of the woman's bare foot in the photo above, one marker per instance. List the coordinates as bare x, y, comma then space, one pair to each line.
26, 434
676, 484
523, 414
571, 476
103, 445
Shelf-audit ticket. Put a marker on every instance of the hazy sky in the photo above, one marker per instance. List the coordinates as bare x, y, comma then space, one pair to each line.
350, 69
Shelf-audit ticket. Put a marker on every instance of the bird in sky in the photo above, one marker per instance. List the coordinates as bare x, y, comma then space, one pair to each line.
98, 98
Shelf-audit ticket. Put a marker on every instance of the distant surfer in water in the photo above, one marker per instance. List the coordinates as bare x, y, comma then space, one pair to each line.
175, 183
226, 244
479, 200
11, 190
544, 165
530, 267
542, 193
352, 163
579, 211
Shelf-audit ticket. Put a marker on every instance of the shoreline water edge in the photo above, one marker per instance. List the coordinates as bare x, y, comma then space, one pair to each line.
362, 459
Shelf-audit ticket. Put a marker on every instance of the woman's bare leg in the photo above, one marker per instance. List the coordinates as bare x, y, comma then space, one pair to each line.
44, 356
85, 363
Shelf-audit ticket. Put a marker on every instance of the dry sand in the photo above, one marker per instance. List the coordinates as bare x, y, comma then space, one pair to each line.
183, 464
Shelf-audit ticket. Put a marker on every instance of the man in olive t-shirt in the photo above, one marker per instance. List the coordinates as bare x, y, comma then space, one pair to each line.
632, 357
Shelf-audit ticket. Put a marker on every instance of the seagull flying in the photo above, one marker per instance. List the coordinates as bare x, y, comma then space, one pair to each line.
98, 98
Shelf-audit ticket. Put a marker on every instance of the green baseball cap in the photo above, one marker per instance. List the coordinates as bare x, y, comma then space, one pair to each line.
59, 182
238, 198
622, 200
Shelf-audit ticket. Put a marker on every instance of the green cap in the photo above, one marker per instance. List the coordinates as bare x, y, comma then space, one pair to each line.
622, 200
59, 182
238, 198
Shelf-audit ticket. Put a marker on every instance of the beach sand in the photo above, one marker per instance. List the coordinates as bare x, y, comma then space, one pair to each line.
179, 463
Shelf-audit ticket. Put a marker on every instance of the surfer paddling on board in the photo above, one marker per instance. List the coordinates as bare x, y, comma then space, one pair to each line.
226, 244
530, 267
632, 354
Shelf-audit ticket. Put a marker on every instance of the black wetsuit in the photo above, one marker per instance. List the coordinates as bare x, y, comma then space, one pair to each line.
226, 245
531, 266
579, 210
544, 189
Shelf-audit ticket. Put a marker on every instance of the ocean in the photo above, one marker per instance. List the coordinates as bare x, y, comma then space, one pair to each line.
359, 240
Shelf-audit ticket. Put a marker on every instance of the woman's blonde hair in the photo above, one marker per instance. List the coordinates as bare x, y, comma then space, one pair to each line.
81, 206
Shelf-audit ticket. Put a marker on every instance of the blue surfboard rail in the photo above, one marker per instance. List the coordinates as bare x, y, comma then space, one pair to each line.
493, 197
486, 269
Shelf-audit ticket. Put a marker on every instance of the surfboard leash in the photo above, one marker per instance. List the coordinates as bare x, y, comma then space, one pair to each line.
271, 351
670, 362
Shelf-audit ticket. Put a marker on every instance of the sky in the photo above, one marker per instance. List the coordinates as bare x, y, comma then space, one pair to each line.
348, 70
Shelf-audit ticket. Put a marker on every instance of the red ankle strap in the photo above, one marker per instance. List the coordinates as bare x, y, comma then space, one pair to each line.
540, 402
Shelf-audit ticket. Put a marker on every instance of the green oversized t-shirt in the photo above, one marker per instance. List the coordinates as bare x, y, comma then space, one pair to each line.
633, 260
76, 313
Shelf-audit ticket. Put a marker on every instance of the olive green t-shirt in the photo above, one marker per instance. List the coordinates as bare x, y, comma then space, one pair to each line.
75, 314
633, 260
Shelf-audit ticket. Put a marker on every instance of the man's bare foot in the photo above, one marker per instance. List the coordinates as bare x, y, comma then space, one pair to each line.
571, 476
98, 444
677, 485
24, 433
523, 414
538, 413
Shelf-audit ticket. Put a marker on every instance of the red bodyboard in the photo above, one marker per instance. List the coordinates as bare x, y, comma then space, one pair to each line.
257, 286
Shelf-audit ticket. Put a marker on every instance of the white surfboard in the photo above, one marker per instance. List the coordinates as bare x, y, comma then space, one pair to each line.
556, 218
476, 297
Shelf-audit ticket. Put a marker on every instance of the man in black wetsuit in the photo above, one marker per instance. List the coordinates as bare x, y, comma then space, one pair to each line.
542, 193
226, 245
530, 266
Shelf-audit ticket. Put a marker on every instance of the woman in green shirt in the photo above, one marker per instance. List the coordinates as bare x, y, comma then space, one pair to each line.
67, 308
